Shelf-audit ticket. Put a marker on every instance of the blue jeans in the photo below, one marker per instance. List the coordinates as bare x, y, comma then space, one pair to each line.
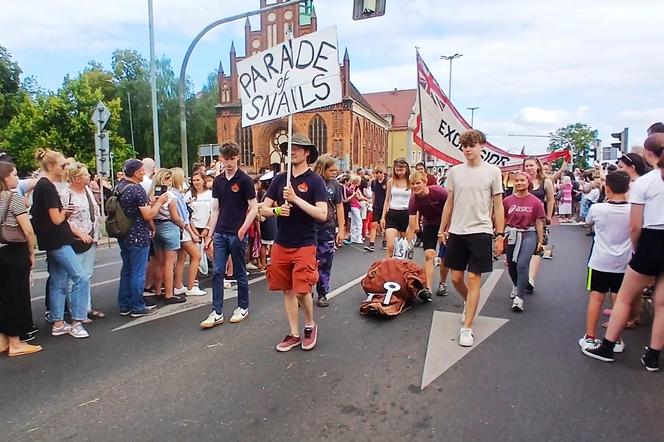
63, 265
225, 245
132, 277
87, 261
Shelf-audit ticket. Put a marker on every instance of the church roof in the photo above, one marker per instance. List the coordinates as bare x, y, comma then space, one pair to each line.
398, 103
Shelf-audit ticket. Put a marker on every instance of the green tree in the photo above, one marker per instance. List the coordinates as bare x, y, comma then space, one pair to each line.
11, 94
202, 117
580, 137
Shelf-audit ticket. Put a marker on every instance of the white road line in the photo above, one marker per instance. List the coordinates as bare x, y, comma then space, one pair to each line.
345, 287
96, 284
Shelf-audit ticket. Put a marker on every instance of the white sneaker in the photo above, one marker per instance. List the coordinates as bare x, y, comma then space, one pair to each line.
513, 293
78, 331
195, 292
463, 314
517, 304
251, 266
587, 343
180, 291
620, 346
212, 320
466, 338
227, 284
239, 315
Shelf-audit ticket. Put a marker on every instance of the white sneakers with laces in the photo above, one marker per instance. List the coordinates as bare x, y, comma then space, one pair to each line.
466, 338
239, 315
212, 320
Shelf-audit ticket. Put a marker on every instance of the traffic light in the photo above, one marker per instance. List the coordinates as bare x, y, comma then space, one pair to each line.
622, 138
368, 9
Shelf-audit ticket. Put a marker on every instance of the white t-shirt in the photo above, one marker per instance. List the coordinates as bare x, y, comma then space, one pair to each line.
593, 195
612, 248
649, 191
201, 206
146, 184
473, 189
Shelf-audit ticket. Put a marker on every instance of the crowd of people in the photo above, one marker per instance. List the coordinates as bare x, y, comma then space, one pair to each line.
224, 221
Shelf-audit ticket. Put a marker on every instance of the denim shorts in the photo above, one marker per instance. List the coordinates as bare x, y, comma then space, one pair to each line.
168, 236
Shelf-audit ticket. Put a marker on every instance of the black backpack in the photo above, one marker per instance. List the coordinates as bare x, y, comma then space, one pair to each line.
118, 223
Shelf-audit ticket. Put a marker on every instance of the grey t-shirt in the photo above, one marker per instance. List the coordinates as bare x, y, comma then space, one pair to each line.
473, 189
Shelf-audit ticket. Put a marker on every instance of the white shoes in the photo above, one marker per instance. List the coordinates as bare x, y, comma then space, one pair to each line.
466, 338
212, 320
239, 315
620, 346
517, 304
513, 293
193, 292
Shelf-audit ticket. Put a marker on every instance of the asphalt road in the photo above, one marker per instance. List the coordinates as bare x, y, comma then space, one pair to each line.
166, 379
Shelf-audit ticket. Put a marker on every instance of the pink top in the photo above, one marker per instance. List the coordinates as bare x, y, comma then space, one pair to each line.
567, 192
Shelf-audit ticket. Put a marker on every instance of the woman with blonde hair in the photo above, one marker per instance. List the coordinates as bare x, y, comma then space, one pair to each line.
188, 242
49, 220
17, 257
84, 224
168, 225
394, 221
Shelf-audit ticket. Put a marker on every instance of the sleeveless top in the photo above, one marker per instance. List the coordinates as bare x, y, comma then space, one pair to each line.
540, 193
400, 198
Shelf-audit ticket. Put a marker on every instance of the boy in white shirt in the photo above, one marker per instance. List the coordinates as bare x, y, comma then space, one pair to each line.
612, 251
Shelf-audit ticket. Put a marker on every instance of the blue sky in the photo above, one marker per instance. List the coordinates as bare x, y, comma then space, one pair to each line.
531, 67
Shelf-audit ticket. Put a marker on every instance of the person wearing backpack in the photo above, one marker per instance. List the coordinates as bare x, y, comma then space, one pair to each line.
130, 202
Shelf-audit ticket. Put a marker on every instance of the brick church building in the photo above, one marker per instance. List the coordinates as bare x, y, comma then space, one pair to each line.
351, 130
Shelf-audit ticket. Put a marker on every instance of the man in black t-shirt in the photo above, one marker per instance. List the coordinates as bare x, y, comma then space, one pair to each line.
234, 209
293, 267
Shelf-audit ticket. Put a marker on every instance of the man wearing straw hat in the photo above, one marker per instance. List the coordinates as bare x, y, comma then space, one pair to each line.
298, 205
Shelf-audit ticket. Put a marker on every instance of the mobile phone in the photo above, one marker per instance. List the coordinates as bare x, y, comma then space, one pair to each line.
159, 190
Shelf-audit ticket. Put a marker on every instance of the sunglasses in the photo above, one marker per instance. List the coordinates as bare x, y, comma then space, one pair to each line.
627, 160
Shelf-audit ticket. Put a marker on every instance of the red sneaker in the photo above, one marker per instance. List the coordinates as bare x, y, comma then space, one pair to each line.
310, 337
288, 343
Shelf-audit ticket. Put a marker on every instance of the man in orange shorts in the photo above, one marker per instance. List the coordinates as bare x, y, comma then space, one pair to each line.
293, 268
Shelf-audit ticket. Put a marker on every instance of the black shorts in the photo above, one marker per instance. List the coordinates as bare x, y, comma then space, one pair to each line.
603, 282
377, 214
472, 252
649, 257
397, 219
430, 237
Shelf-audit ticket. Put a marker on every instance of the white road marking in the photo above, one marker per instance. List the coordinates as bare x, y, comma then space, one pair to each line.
345, 287
96, 284
43, 274
443, 351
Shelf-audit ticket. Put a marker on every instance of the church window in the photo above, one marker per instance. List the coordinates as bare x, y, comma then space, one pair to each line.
245, 141
318, 133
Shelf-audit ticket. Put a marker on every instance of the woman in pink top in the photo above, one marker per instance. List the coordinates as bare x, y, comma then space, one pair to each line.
565, 208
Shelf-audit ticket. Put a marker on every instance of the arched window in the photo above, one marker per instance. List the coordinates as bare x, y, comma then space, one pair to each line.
246, 143
357, 139
318, 133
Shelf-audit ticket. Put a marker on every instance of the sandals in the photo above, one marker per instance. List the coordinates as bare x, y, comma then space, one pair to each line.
96, 314
28, 349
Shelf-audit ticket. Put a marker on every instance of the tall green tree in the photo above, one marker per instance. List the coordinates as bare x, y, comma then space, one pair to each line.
580, 138
11, 94
202, 117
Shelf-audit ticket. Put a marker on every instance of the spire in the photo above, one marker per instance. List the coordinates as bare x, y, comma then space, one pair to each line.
346, 57
313, 12
232, 48
247, 24
221, 69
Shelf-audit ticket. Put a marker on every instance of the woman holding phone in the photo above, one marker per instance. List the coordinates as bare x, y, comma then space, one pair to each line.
168, 226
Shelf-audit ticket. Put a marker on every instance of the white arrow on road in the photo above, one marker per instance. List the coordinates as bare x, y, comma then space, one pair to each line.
443, 351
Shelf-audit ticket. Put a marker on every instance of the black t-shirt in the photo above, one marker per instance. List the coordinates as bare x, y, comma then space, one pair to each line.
234, 195
49, 236
379, 191
298, 229
334, 197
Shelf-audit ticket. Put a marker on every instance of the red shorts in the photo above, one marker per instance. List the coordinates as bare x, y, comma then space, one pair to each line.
293, 269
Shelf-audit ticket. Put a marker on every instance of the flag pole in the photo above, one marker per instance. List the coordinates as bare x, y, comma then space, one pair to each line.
419, 103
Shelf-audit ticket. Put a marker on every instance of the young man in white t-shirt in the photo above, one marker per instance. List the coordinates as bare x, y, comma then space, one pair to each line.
611, 252
474, 203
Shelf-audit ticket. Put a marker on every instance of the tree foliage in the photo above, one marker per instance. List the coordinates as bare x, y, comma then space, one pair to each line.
580, 138
31, 117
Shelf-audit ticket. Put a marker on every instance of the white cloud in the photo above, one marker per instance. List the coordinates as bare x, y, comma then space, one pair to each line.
541, 117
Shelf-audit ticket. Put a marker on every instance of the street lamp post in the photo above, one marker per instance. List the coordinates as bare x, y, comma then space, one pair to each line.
450, 58
472, 115
131, 125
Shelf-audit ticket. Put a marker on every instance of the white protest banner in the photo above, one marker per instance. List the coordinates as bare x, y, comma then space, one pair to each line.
439, 127
294, 76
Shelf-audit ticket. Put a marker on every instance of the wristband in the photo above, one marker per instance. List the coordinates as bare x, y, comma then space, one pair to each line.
277, 211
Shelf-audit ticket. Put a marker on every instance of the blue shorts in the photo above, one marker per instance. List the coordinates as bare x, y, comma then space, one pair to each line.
168, 236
